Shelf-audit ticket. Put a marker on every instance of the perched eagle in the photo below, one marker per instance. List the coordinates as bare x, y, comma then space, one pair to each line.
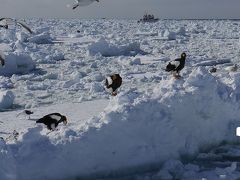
177, 65
52, 120
114, 82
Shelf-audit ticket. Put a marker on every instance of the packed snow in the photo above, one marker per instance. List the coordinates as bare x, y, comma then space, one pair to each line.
157, 127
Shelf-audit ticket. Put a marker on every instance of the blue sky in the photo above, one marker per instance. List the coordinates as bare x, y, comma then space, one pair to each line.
122, 9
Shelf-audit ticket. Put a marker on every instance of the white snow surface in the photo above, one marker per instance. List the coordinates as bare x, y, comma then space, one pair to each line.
148, 128
117, 49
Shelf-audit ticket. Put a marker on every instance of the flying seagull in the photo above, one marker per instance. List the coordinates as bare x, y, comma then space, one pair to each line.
10, 21
83, 3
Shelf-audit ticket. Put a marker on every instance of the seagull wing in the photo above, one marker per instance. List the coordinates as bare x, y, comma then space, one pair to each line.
10, 20
25, 26
6, 21
75, 6
1, 19
85, 2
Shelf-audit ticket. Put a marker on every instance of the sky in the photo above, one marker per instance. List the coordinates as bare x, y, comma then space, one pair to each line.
122, 9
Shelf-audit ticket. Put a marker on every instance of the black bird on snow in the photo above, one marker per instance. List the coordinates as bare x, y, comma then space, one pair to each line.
28, 112
177, 65
4, 26
213, 70
2, 61
25, 112
234, 68
114, 81
52, 120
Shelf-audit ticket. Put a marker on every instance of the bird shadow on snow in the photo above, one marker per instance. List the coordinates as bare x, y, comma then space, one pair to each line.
32, 119
5, 133
13, 107
39, 71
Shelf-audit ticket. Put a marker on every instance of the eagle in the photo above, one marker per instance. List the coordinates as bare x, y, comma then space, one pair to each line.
114, 82
176, 65
52, 120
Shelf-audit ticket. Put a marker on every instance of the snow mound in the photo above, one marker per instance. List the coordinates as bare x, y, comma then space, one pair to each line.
6, 99
7, 164
172, 35
17, 63
42, 38
213, 62
107, 49
169, 35
136, 130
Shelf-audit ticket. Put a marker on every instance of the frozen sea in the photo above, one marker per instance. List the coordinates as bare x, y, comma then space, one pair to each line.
156, 128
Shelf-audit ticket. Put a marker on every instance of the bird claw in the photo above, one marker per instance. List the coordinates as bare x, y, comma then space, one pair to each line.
114, 93
177, 76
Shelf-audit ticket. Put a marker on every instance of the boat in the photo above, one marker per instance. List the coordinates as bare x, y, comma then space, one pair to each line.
148, 18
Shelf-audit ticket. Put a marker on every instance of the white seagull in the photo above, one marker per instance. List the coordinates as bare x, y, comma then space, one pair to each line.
9, 21
83, 3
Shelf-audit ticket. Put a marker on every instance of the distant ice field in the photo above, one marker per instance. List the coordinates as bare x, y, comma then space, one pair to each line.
69, 64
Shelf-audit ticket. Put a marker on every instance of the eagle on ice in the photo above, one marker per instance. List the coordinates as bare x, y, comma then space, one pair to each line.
176, 65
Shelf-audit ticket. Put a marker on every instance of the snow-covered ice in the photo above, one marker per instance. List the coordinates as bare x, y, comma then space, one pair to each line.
17, 63
6, 99
157, 127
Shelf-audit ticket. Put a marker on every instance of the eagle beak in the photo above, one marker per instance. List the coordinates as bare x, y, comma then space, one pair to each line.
65, 122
